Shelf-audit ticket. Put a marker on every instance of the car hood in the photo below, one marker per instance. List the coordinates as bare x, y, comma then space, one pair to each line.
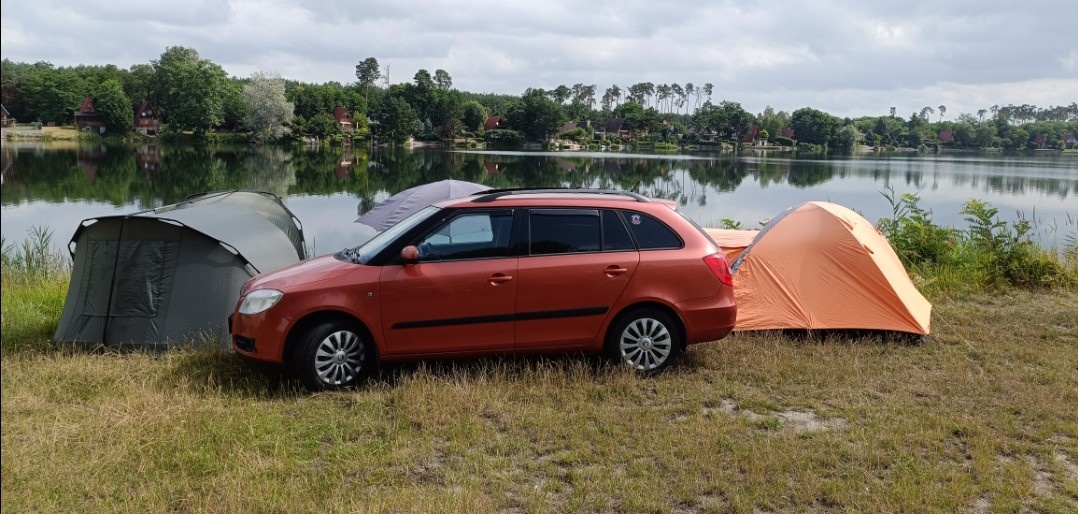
304, 272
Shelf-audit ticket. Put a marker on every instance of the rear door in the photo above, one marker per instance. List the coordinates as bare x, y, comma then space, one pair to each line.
575, 266
460, 296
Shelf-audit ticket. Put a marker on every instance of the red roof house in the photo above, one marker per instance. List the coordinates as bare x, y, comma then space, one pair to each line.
495, 122
146, 119
87, 117
946, 137
752, 136
788, 132
1040, 139
344, 119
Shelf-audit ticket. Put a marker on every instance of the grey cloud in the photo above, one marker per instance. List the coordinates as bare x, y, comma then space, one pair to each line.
842, 54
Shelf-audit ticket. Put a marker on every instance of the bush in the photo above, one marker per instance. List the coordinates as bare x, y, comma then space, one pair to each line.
1008, 253
578, 135
916, 239
990, 254
783, 141
503, 136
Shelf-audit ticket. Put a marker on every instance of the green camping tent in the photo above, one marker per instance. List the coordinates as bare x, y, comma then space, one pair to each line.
165, 275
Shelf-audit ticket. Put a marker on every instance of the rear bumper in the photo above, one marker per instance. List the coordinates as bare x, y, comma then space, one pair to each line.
705, 321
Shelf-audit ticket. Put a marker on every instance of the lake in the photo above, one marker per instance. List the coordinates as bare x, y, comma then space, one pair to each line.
58, 185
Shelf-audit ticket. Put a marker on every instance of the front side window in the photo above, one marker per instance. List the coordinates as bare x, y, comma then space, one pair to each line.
468, 235
554, 231
363, 254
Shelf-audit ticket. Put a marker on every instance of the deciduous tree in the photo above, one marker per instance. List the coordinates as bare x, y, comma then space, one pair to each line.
813, 126
473, 115
267, 111
536, 115
189, 90
396, 120
112, 103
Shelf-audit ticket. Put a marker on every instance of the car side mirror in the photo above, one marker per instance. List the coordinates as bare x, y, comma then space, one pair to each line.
410, 254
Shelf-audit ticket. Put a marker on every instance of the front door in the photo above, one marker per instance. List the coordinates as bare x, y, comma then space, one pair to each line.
460, 295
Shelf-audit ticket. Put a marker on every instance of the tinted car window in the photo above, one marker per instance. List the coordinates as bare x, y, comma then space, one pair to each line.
615, 235
564, 231
649, 232
468, 235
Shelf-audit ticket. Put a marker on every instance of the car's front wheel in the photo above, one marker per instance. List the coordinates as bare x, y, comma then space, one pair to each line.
646, 340
333, 355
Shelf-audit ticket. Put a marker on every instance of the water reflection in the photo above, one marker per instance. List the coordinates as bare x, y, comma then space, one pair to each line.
57, 185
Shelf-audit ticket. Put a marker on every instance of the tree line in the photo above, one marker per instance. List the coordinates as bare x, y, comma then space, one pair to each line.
193, 94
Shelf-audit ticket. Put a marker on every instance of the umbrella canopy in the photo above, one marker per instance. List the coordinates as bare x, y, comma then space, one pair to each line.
409, 201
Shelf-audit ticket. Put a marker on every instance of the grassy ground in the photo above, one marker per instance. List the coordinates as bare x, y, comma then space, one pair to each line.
977, 418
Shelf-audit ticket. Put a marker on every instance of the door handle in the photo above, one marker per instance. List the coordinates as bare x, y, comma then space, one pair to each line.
615, 270
499, 279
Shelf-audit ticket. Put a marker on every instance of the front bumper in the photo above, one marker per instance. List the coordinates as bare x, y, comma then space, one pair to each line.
259, 336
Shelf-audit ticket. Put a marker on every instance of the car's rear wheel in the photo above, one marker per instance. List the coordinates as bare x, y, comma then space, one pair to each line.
646, 340
333, 355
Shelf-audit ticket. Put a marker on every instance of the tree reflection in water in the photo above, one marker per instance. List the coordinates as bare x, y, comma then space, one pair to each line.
749, 186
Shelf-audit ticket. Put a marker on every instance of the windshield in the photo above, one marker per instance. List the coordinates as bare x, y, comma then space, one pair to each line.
363, 253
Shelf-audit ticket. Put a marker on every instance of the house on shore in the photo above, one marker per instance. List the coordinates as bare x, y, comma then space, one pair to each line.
495, 122
146, 120
568, 126
752, 136
87, 117
344, 120
615, 127
7, 120
1040, 140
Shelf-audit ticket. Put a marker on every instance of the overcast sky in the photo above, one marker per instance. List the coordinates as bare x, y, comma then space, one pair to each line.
846, 57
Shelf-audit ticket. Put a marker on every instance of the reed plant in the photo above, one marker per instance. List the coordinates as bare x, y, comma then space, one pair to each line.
988, 255
35, 280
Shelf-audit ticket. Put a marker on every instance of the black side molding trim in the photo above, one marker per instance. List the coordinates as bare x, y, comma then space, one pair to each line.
502, 318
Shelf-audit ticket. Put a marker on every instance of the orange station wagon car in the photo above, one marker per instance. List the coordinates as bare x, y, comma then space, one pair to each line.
501, 271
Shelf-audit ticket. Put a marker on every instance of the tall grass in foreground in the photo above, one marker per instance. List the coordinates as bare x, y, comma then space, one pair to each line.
34, 284
977, 419
989, 255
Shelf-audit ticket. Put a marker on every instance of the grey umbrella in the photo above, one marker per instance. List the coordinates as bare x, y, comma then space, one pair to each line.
407, 202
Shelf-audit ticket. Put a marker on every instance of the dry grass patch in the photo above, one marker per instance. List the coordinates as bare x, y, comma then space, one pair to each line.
979, 418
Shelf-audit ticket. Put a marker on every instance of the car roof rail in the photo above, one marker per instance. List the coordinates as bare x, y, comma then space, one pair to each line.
493, 194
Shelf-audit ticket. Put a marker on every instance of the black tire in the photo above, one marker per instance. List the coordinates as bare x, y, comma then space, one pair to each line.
646, 340
333, 355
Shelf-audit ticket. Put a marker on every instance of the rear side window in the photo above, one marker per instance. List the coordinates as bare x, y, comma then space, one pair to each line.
555, 231
650, 233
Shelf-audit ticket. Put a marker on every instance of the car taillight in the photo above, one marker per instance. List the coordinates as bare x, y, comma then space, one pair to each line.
718, 265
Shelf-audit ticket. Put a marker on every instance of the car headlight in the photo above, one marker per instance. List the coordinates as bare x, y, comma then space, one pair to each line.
259, 300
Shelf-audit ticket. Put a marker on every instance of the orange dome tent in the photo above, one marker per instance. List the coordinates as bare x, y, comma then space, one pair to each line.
820, 265
732, 241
